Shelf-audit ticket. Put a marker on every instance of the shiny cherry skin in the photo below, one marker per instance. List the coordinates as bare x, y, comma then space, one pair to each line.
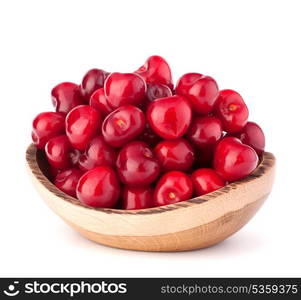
57, 152
231, 109
156, 70
67, 181
98, 153
157, 90
123, 125
93, 80
234, 160
173, 187
137, 197
82, 124
200, 90
253, 136
66, 96
99, 187
169, 117
149, 137
99, 101
45, 126
124, 88
175, 155
205, 132
137, 164
206, 181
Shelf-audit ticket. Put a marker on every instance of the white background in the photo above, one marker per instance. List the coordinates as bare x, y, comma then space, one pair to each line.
250, 46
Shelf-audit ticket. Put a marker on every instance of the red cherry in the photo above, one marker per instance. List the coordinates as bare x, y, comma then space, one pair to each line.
200, 90
45, 126
253, 136
137, 165
93, 80
66, 96
173, 187
67, 181
98, 153
57, 152
175, 155
206, 181
156, 70
149, 137
157, 90
231, 109
82, 124
99, 101
124, 88
169, 117
137, 198
123, 125
234, 160
205, 132
99, 187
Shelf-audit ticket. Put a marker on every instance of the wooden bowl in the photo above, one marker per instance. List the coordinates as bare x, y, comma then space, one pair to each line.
188, 225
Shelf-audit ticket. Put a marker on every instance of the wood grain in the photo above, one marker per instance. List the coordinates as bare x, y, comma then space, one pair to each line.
192, 224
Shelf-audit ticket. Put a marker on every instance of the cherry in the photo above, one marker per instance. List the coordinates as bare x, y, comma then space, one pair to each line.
67, 181
99, 187
253, 136
82, 124
231, 109
137, 164
175, 155
124, 88
172, 187
123, 125
206, 181
137, 198
99, 101
57, 152
205, 131
98, 153
200, 90
93, 80
45, 126
234, 160
66, 96
169, 117
157, 90
156, 70
149, 137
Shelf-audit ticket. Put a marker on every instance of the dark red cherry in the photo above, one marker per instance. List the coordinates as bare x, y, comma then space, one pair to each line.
173, 187
149, 137
231, 109
206, 181
98, 153
156, 70
169, 117
99, 187
175, 155
67, 181
137, 197
82, 124
205, 132
99, 101
157, 90
93, 80
124, 88
253, 136
66, 96
45, 126
200, 90
123, 125
234, 160
137, 164
58, 151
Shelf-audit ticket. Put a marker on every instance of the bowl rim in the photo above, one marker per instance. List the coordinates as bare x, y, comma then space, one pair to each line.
266, 163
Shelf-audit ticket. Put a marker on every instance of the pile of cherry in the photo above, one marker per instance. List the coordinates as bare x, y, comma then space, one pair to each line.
132, 140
